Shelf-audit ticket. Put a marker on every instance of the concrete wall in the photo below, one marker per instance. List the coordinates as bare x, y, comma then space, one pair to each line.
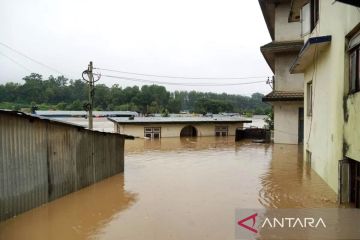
286, 122
285, 31
41, 161
173, 130
324, 129
286, 114
352, 127
284, 81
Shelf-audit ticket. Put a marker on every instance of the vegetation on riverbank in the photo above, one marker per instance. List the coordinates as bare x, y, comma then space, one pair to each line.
60, 93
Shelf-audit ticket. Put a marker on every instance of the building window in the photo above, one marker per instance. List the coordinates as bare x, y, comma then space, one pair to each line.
305, 19
152, 132
309, 16
309, 98
221, 131
354, 78
314, 13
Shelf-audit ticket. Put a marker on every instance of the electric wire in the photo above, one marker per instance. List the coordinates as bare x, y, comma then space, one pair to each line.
32, 59
178, 83
16, 62
181, 77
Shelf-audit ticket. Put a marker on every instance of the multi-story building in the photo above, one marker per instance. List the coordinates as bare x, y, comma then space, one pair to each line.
288, 89
330, 62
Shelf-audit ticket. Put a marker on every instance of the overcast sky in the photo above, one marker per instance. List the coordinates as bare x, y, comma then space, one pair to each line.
194, 38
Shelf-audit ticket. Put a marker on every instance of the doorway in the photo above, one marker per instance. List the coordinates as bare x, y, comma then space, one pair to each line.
301, 126
355, 182
188, 131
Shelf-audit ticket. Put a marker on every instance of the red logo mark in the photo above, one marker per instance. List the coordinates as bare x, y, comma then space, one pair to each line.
252, 229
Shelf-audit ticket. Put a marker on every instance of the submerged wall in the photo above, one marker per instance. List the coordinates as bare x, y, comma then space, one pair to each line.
286, 122
173, 130
43, 160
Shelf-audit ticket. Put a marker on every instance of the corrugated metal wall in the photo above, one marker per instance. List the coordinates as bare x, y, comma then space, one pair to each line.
41, 161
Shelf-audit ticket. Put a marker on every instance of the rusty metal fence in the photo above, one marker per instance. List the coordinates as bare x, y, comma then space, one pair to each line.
42, 160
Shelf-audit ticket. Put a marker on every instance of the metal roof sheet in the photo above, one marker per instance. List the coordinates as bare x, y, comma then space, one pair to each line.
307, 53
214, 119
57, 113
55, 121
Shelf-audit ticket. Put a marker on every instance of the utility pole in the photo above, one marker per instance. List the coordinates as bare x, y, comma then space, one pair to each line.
90, 105
91, 94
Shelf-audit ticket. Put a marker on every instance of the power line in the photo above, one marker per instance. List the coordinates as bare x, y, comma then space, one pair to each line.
16, 62
182, 77
32, 59
180, 84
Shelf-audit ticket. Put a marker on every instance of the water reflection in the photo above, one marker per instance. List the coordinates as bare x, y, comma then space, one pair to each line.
290, 182
174, 144
185, 188
77, 216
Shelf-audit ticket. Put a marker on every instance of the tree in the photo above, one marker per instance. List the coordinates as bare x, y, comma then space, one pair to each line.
174, 105
62, 93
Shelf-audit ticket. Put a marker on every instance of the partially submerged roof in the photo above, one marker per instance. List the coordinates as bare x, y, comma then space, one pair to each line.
84, 113
33, 117
179, 120
271, 49
60, 113
277, 96
308, 52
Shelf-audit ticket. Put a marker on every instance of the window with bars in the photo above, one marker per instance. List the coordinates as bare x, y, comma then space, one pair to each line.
152, 132
221, 131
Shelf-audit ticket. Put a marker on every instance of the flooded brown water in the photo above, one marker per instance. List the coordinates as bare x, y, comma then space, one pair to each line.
178, 189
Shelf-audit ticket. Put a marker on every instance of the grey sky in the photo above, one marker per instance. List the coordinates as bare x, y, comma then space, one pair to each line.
214, 38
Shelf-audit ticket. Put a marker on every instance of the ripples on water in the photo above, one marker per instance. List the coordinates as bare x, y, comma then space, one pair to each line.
179, 189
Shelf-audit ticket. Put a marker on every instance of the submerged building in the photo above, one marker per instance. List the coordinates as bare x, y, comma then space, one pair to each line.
161, 127
330, 62
288, 88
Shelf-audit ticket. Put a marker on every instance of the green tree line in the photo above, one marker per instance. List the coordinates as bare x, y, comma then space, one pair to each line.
60, 93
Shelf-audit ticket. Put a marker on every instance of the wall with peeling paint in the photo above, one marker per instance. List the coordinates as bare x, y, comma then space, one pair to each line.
352, 126
324, 130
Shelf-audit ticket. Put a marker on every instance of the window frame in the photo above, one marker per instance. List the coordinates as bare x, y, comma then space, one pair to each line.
355, 50
312, 17
152, 132
308, 18
309, 98
221, 131
314, 13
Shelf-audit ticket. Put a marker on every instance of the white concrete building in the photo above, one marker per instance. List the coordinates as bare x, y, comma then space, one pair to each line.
330, 61
288, 88
161, 127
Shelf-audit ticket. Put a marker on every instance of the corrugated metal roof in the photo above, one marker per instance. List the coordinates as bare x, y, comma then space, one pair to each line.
84, 113
42, 160
214, 119
284, 96
55, 121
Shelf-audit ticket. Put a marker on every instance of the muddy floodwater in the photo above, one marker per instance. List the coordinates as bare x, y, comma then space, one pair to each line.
179, 189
